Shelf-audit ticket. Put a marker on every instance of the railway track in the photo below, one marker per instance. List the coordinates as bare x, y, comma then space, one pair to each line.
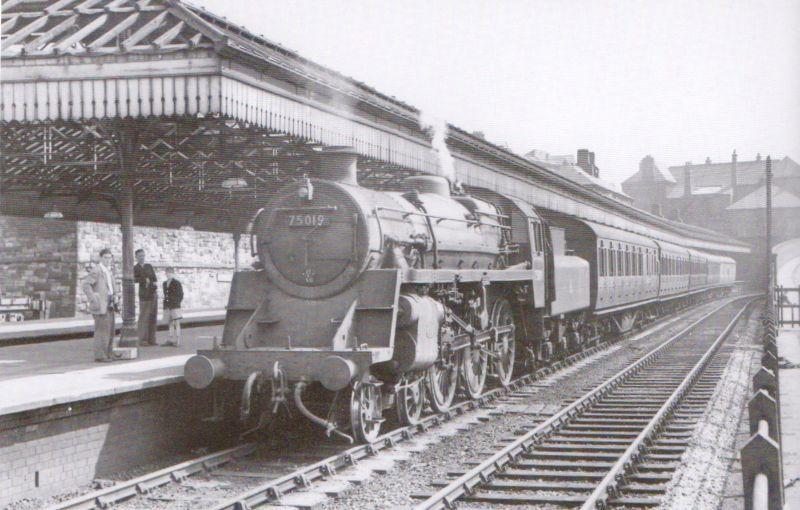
298, 469
617, 445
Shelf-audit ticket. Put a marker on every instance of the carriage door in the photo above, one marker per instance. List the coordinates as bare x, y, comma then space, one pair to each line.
542, 270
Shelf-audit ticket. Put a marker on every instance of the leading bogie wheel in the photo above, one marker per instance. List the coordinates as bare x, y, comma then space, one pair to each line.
410, 399
504, 347
366, 411
474, 365
441, 382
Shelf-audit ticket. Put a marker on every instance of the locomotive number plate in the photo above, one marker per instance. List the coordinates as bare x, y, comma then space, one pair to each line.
308, 220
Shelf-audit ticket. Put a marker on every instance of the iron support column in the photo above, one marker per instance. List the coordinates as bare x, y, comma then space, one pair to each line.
237, 236
127, 166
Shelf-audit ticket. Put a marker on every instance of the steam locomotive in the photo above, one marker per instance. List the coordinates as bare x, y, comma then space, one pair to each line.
367, 300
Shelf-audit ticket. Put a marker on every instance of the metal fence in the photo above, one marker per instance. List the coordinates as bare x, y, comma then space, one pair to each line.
787, 305
762, 456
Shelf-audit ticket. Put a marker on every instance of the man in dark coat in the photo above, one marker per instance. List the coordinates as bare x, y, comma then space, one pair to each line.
145, 276
173, 296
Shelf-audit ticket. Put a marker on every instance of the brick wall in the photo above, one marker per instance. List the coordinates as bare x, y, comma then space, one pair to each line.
44, 255
39, 255
54, 450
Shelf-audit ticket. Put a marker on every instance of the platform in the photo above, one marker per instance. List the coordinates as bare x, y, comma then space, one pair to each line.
34, 376
18, 332
789, 349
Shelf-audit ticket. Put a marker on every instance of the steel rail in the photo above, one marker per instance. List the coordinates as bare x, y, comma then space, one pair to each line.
271, 491
609, 485
465, 484
105, 498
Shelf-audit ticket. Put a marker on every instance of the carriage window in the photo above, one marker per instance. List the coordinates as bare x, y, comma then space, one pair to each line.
537, 237
640, 258
601, 260
631, 263
626, 262
612, 263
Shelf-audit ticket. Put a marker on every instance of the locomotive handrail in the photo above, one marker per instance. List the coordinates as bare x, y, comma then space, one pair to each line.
311, 208
433, 216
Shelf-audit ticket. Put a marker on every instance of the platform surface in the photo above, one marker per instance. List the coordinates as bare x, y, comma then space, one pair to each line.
10, 331
789, 348
39, 375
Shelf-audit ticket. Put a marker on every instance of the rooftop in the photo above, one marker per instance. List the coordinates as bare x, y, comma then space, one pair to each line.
757, 199
747, 172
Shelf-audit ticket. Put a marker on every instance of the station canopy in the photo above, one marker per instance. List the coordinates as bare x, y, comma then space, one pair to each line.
193, 113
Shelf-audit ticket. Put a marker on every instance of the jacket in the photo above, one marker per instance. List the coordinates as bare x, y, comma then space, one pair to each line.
145, 276
173, 294
96, 289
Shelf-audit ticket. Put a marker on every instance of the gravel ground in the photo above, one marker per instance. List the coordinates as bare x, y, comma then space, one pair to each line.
395, 490
705, 467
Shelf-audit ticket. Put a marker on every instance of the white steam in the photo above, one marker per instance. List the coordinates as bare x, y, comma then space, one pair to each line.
437, 128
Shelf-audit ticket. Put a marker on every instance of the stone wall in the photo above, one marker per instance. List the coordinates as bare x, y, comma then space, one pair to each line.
203, 261
50, 256
39, 255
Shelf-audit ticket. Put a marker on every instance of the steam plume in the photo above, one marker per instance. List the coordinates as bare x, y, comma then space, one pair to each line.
437, 128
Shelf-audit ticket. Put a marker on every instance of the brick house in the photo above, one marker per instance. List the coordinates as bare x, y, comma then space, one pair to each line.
728, 197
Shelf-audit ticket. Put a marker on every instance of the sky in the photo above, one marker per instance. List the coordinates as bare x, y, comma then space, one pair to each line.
679, 80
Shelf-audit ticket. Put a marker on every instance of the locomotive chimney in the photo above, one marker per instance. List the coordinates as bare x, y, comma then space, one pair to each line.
338, 164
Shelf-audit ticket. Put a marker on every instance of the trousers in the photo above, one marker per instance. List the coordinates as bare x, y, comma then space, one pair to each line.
103, 335
146, 325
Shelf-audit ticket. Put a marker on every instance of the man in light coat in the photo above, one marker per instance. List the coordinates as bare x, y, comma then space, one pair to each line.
100, 287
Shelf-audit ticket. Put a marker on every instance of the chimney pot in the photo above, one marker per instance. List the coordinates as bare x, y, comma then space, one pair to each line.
647, 168
656, 209
687, 180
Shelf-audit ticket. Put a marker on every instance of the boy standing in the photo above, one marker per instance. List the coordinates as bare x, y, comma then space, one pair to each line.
173, 296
